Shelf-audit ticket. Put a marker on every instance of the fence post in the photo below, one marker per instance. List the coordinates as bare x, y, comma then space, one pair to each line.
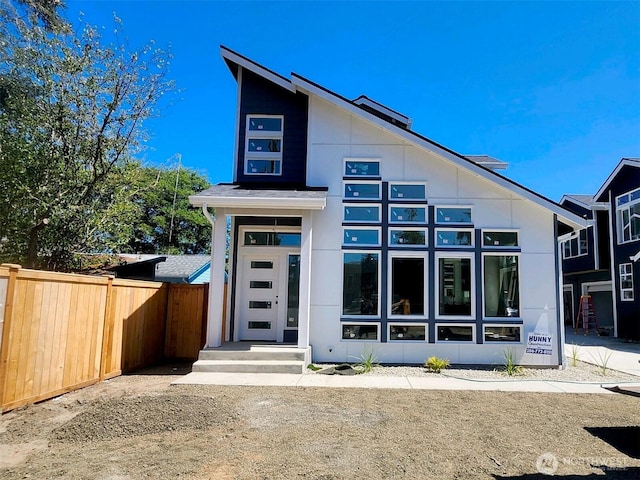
6, 328
107, 330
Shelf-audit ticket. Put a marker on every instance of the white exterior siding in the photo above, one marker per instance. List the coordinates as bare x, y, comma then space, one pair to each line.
334, 135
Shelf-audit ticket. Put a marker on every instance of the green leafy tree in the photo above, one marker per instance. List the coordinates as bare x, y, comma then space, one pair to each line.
167, 223
71, 117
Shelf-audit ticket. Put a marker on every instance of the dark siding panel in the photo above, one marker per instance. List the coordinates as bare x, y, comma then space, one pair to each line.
577, 209
604, 249
259, 96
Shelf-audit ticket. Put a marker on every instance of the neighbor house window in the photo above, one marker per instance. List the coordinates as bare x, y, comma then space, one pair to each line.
407, 191
454, 238
502, 333
362, 191
407, 214
455, 286
407, 282
501, 286
407, 332
626, 282
459, 215
575, 247
361, 168
407, 237
360, 331
454, 333
263, 150
360, 285
628, 216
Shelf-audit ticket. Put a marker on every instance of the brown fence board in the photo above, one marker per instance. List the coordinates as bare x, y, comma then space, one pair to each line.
62, 331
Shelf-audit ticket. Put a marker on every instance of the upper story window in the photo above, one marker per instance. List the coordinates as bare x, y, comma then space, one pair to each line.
263, 149
499, 238
362, 190
407, 214
575, 247
361, 168
628, 216
458, 215
407, 191
626, 282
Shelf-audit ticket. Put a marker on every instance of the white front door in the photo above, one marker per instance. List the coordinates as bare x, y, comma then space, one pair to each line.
259, 298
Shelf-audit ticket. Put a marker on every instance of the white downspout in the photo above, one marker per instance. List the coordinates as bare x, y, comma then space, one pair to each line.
612, 267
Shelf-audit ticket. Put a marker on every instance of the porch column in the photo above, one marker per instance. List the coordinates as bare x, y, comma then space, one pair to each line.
216, 287
305, 279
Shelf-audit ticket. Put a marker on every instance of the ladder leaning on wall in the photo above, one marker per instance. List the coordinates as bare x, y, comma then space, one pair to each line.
586, 316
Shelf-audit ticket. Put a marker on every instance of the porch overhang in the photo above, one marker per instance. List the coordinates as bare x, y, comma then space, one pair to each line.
238, 196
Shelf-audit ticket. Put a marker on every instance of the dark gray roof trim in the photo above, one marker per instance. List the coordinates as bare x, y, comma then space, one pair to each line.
232, 195
631, 162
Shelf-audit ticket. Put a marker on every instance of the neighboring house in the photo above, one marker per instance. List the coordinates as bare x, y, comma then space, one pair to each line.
351, 231
192, 269
586, 263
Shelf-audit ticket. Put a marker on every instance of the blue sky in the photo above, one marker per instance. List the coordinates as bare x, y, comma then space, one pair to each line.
553, 88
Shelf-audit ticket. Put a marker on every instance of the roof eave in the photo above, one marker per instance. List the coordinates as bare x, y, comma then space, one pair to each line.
624, 162
572, 220
230, 56
259, 202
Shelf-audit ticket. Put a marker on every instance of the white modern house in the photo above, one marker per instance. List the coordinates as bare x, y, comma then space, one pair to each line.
351, 231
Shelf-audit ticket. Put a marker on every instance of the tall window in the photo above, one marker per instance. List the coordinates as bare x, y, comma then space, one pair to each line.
263, 150
575, 247
455, 286
361, 286
626, 282
501, 286
628, 216
407, 286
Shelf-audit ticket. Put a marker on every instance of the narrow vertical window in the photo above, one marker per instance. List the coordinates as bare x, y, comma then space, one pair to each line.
454, 287
626, 282
360, 287
501, 286
263, 149
407, 286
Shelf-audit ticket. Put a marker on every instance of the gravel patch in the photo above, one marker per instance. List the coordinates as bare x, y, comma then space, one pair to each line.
133, 417
581, 372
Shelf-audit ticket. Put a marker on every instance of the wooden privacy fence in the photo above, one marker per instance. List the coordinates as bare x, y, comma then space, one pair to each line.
60, 332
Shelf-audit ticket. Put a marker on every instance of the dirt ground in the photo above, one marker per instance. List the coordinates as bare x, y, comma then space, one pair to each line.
138, 426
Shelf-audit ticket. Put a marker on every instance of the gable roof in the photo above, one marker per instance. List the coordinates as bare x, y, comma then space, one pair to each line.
631, 162
299, 83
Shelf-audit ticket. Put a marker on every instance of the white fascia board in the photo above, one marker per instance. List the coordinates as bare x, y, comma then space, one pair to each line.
259, 203
624, 162
382, 109
257, 69
567, 217
635, 258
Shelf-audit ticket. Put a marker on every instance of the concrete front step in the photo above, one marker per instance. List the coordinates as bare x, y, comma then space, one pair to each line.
253, 352
250, 366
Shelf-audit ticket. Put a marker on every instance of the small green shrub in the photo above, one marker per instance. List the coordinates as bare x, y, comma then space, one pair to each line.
574, 355
436, 364
368, 360
313, 367
601, 359
510, 366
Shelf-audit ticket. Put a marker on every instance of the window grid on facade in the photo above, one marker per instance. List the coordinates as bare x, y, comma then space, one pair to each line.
628, 216
264, 145
626, 282
575, 247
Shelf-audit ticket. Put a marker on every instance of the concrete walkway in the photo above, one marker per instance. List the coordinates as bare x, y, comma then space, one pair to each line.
621, 356
439, 382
